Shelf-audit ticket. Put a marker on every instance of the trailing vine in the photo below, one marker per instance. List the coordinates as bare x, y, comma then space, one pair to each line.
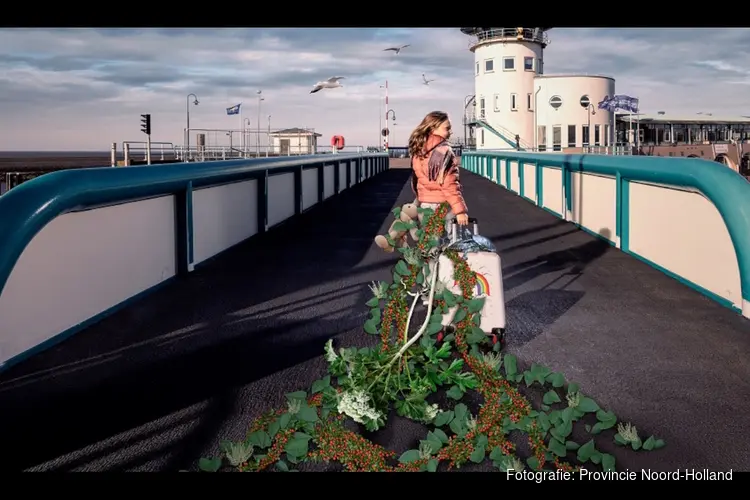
413, 363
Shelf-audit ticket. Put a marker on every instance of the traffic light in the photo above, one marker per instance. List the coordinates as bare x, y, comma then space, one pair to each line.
146, 124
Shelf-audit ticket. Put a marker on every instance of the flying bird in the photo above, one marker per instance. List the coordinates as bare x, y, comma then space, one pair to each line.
396, 49
331, 83
425, 80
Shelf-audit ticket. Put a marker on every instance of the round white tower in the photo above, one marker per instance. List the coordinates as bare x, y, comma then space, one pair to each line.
506, 61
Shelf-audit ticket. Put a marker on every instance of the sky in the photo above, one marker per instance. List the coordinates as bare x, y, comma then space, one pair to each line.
83, 89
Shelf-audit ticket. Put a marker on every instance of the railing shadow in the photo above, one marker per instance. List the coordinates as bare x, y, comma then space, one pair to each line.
529, 313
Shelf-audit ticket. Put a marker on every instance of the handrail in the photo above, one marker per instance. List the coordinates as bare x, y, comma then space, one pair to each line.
26, 209
725, 188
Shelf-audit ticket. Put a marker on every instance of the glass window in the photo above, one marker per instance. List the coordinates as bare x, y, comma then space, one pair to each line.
528, 63
571, 136
489, 66
509, 63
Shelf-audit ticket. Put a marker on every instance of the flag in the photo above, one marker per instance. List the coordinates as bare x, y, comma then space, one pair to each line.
606, 104
625, 102
234, 110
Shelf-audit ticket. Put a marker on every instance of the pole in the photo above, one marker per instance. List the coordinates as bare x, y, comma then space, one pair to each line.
257, 134
148, 149
113, 154
268, 145
385, 138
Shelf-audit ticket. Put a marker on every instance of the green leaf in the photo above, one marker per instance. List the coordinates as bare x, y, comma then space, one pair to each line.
402, 268
322, 384
444, 418
556, 379
307, 414
260, 439
572, 445
461, 412
510, 365
409, 456
476, 336
606, 419
596, 429
432, 465
587, 405
545, 407
373, 302
282, 466
434, 444
375, 315
659, 443
273, 428
496, 454
533, 463
573, 387
455, 392
284, 420
476, 305
636, 445
439, 435
297, 447
420, 278
620, 440
297, 396
458, 427
586, 451
433, 328
649, 444
459, 316
551, 397
449, 298
209, 464
608, 462
371, 327
477, 456
399, 226
557, 448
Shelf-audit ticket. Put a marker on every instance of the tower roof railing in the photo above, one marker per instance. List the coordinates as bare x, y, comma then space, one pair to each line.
482, 35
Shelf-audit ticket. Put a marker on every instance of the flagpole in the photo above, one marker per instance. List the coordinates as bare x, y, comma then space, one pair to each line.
242, 132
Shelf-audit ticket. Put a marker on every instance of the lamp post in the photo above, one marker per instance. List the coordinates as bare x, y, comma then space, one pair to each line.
257, 148
187, 130
269, 135
387, 113
380, 118
590, 110
467, 101
246, 125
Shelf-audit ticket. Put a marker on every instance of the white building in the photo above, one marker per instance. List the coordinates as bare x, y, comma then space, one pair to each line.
294, 141
515, 100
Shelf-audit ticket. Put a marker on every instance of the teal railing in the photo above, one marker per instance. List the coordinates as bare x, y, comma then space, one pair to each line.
726, 189
26, 209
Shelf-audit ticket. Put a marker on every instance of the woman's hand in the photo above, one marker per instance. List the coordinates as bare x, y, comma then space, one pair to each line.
462, 219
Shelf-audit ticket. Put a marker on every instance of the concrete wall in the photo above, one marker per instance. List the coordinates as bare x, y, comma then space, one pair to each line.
78, 245
570, 90
689, 218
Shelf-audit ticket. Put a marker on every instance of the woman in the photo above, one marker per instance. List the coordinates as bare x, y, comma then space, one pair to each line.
435, 167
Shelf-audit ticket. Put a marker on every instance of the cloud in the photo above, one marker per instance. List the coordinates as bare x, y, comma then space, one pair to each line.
85, 88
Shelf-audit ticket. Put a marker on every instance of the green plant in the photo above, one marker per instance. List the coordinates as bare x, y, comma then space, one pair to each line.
406, 369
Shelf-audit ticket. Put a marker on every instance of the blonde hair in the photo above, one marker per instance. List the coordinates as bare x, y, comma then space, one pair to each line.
419, 136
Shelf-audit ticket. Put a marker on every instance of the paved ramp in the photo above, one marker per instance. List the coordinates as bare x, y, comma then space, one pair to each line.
157, 385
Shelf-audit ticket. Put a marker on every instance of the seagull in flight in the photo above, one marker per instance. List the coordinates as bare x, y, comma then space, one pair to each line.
331, 83
396, 49
425, 80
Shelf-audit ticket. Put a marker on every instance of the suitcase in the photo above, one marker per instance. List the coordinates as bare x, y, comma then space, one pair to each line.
488, 267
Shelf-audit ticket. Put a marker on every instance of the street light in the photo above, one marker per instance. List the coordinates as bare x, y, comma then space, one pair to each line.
380, 117
246, 125
467, 100
387, 113
187, 130
257, 148
591, 110
269, 135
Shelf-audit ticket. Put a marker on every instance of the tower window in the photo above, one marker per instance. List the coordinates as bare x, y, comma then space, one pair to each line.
489, 66
496, 103
529, 102
528, 63
555, 101
477, 68
514, 102
509, 63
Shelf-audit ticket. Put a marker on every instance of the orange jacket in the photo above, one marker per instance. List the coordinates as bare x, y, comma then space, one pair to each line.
435, 175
